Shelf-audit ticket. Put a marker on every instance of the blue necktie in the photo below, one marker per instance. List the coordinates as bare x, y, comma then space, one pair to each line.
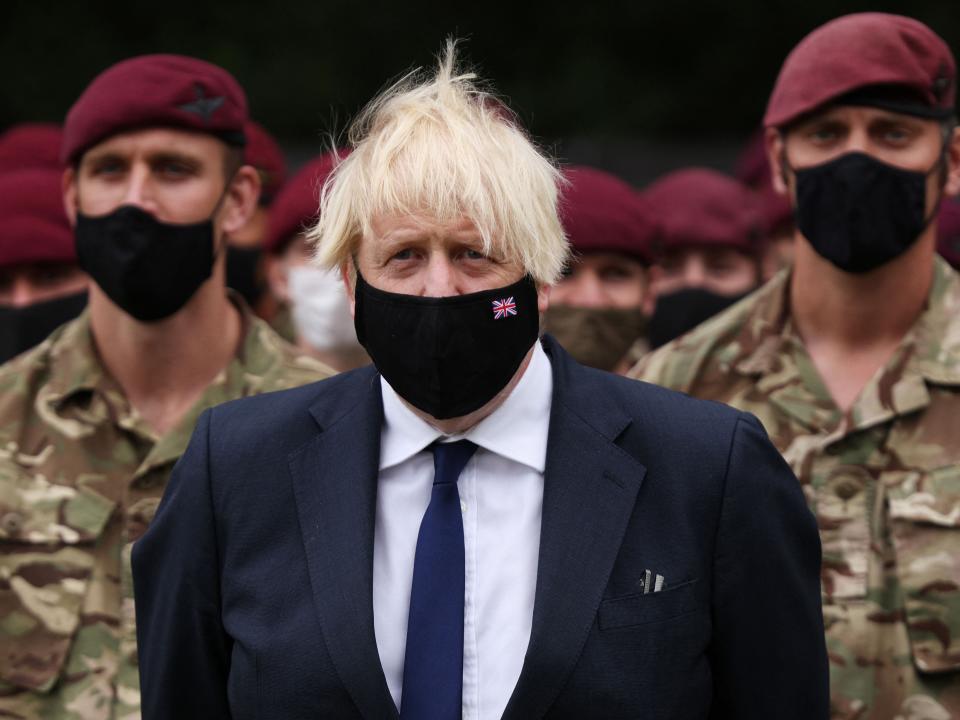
433, 663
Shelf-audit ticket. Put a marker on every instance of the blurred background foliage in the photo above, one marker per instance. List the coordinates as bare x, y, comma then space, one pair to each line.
635, 87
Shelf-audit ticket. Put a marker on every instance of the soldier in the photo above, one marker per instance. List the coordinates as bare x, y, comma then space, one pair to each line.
31, 145
93, 419
707, 249
41, 284
596, 310
313, 311
852, 359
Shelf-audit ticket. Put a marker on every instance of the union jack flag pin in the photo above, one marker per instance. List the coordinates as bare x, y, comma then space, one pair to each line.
504, 308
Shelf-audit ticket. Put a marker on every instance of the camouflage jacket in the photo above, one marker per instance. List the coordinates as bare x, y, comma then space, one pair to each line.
883, 479
80, 478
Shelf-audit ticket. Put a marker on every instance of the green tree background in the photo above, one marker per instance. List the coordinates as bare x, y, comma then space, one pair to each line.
635, 87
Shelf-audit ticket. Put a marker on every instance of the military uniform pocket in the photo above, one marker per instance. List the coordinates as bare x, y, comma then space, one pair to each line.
47, 537
924, 511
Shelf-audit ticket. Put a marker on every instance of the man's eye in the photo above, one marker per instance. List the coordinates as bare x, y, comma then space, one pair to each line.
50, 275
405, 254
174, 169
474, 255
614, 273
107, 168
823, 135
896, 135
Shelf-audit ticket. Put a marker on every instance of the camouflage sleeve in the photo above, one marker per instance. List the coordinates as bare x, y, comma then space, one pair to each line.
769, 657
184, 651
671, 366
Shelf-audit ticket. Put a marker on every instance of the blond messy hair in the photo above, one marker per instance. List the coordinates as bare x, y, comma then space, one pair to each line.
443, 148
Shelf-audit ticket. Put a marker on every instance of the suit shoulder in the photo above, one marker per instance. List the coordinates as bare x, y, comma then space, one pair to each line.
282, 416
672, 406
662, 412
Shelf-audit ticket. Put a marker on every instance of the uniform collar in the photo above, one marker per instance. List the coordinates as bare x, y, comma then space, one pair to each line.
935, 336
516, 430
771, 351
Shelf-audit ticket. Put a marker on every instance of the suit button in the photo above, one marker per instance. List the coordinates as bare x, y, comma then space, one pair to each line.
12, 523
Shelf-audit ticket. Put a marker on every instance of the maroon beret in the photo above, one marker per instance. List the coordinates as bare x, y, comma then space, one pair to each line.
31, 145
156, 91
776, 212
600, 213
698, 206
753, 165
33, 223
263, 153
297, 204
872, 53
948, 232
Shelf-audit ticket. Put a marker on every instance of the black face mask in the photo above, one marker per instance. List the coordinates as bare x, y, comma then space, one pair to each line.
23, 327
596, 337
681, 311
243, 266
860, 213
448, 356
150, 269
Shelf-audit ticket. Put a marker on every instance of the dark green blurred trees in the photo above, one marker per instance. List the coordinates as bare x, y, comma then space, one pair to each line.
666, 69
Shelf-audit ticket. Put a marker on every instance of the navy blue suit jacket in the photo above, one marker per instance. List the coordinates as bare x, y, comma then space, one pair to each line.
254, 582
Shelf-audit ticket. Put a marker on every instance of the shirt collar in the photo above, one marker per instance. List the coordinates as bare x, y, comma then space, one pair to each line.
516, 430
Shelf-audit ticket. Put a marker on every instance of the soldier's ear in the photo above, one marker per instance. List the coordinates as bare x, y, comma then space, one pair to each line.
951, 187
774, 143
650, 296
68, 184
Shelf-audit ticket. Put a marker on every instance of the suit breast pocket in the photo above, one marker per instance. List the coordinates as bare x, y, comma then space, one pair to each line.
642, 609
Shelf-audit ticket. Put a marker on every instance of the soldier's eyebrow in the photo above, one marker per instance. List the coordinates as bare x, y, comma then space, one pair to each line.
98, 159
166, 157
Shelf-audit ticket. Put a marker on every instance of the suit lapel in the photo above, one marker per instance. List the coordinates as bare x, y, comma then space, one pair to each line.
590, 488
335, 485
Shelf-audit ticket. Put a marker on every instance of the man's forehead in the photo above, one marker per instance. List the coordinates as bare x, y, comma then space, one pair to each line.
154, 141
692, 252
605, 257
387, 226
850, 113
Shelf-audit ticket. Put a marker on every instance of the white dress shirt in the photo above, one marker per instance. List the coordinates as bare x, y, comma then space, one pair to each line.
501, 497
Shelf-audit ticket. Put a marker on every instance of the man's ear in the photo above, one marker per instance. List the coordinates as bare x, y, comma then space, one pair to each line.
773, 141
951, 187
68, 184
650, 296
543, 297
240, 200
348, 273
276, 272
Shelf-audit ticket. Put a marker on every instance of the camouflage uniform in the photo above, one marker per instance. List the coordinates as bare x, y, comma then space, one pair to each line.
81, 475
282, 323
882, 478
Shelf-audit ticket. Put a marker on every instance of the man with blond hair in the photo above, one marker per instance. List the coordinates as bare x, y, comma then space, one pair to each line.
476, 526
